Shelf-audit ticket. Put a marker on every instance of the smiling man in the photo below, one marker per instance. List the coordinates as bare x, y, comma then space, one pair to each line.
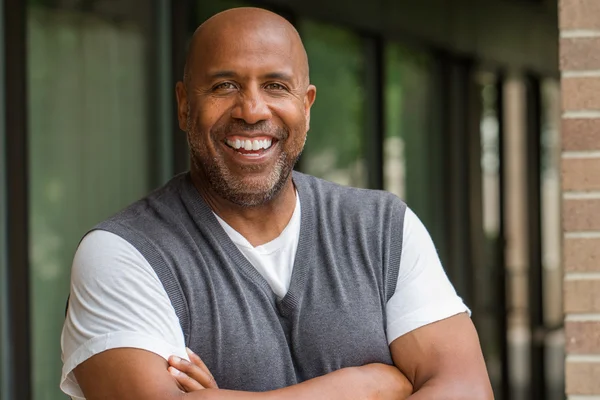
284, 285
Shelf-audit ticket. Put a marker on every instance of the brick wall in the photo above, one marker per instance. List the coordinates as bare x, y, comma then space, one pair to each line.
580, 66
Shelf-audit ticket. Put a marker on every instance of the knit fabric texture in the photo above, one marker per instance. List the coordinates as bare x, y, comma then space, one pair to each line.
333, 315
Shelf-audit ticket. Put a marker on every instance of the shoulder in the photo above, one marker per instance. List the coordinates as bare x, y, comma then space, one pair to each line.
150, 220
351, 198
414, 227
159, 201
103, 256
116, 300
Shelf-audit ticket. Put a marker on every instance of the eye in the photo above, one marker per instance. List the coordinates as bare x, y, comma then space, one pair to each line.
225, 86
275, 86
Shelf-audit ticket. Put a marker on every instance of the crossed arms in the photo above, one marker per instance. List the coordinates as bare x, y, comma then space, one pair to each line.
440, 361
434, 360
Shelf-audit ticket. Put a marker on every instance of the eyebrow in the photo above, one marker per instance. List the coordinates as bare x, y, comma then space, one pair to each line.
278, 76
222, 74
231, 74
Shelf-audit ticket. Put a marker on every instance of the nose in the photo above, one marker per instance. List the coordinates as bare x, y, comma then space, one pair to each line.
251, 107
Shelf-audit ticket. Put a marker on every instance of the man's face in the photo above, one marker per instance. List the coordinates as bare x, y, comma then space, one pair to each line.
246, 111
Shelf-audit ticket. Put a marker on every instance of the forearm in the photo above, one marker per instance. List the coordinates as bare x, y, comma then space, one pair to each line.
452, 390
344, 384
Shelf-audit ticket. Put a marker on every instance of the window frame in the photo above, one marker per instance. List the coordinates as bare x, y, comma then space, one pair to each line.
5, 380
18, 360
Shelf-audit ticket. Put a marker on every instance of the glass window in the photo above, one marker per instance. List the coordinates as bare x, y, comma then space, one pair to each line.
413, 151
394, 157
335, 146
490, 156
491, 268
552, 237
90, 129
407, 109
551, 198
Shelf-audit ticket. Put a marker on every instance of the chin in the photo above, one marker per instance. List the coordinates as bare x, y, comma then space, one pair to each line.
254, 188
253, 191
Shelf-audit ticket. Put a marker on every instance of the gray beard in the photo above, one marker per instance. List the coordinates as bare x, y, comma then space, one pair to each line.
229, 187
235, 190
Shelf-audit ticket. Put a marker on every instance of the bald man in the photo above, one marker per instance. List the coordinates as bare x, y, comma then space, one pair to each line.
242, 279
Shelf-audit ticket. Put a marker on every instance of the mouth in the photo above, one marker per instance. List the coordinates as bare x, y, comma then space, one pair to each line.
250, 147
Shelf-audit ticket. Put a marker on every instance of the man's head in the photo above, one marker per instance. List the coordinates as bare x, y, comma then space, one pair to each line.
245, 103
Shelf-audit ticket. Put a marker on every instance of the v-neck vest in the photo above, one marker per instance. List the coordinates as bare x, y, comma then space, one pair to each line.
333, 315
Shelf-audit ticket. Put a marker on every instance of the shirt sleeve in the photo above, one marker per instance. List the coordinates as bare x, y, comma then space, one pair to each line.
423, 294
116, 301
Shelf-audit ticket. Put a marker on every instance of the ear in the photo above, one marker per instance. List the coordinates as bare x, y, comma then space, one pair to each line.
182, 105
309, 100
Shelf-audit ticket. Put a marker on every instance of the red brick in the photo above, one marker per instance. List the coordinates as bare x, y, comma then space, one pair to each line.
582, 378
582, 255
580, 134
581, 93
582, 174
579, 54
582, 296
579, 14
581, 215
582, 337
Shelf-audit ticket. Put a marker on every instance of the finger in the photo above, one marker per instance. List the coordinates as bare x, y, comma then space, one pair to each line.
174, 373
195, 358
193, 371
188, 384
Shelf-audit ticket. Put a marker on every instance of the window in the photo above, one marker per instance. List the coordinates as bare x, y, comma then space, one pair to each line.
90, 133
335, 148
407, 109
551, 232
491, 299
413, 151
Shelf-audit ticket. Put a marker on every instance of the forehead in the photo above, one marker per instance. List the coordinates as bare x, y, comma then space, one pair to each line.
246, 50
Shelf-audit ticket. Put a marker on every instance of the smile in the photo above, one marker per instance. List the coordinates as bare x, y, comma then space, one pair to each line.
249, 147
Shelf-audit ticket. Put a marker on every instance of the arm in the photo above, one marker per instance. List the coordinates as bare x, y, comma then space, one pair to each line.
137, 374
443, 361
432, 339
112, 351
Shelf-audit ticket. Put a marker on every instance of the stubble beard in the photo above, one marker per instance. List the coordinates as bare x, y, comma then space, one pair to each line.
239, 189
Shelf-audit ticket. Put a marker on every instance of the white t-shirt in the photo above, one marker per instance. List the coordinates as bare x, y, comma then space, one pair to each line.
117, 300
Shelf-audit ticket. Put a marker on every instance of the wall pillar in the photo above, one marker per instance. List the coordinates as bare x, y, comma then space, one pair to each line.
580, 66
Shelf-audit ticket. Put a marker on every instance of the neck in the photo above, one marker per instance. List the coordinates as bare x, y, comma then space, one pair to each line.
259, 224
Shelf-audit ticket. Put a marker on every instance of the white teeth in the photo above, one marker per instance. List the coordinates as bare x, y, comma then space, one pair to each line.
248, 145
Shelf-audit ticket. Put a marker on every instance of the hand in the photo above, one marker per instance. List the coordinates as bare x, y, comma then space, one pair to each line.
388, 376
191, 375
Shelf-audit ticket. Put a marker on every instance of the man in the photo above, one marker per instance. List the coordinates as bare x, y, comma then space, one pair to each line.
284, 285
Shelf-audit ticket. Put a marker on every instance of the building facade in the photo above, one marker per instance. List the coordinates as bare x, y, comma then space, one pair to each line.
453, 106
579, 46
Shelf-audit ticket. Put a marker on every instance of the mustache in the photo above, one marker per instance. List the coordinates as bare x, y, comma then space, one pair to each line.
262, 127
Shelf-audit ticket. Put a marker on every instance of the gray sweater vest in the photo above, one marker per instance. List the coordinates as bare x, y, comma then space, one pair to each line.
333, 315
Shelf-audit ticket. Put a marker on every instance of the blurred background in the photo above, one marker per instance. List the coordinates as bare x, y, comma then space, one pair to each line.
452, 105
